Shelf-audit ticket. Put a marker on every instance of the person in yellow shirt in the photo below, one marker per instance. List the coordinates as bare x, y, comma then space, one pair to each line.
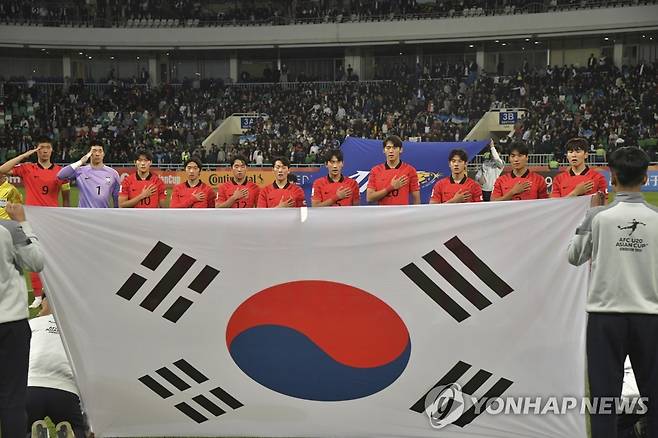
8, 193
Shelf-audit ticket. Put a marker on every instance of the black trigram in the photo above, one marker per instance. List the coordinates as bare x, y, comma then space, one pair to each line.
168, 281
456, 280
201, 400
477, 381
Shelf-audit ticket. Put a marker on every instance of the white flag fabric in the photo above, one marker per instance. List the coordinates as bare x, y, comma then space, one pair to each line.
318, 322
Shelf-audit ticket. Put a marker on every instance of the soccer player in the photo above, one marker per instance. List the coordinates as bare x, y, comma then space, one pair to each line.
458, 187
579, 180
391, 182
142, 189
193, 193
281, 193
19, 249
96, 181
42, 188
520, 183
622, 300
8, 194
238, 192
335, 190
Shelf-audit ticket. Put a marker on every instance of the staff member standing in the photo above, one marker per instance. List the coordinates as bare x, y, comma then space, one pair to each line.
491, 168
621, 240
19, 249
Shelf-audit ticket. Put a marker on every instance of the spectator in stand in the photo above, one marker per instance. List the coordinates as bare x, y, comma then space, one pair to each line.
598, 104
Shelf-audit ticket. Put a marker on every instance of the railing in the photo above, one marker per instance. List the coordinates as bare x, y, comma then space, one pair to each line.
529, 7
542, 160
101, 88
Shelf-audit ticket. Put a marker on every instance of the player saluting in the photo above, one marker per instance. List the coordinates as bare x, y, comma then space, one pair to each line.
335, 190
238, 192
281, 193
579, 180
42, 188
96, 181
458, 187
520, 183
392, 182
142, 189
193, 193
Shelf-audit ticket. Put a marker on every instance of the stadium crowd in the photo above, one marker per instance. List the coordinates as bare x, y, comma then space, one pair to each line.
608, 106
221, 13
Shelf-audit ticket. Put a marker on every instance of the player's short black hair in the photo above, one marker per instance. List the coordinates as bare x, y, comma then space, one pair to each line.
239, 158
146, 153
195, 160
44, 139
96, 143
629, 165
284, 161
520, 148
461, 153
397, 141
577, 144
333, 153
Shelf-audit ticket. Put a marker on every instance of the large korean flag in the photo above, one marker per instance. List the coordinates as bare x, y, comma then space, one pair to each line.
319, 322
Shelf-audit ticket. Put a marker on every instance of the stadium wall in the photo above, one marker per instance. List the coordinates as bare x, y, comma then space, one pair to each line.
555, 24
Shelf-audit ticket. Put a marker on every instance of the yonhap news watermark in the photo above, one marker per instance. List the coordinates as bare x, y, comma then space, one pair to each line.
445, 405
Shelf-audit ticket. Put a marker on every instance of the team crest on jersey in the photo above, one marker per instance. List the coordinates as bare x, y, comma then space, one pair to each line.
108, 180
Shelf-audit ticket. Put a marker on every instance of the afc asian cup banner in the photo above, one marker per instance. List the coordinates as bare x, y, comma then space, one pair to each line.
350, 322
429, 158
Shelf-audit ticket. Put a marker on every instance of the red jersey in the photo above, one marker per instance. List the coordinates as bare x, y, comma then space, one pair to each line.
504, 184
132, 186
226, 190
565, 182
381, 177
41, 184
325, 188
271, 195
445, 189
182, 196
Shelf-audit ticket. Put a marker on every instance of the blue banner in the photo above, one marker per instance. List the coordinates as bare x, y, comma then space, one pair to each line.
650, 186
430, 160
